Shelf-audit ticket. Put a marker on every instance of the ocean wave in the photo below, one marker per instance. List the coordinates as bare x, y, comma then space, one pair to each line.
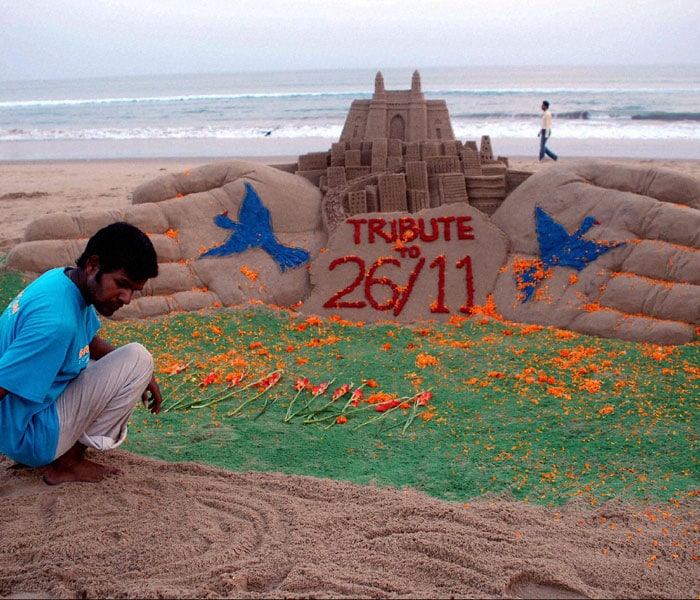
577, 91
575, 114
666, 116
54, 103
464, 129
450, 95
568, 115
578, 129
160, 133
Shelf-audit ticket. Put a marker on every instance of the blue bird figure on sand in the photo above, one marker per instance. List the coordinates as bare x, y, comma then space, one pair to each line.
558, 247
254, 230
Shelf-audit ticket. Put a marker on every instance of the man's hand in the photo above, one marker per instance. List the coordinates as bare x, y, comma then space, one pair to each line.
152, 398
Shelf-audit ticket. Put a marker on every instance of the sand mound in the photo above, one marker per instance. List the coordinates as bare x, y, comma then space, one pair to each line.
604, 249
187, 530
179, 211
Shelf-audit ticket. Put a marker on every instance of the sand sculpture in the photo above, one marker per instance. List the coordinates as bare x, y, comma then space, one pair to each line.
400, 221
397, 152
642, 284
179, 213
436, 264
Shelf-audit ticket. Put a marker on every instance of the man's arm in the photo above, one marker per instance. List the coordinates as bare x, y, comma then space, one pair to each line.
99, 348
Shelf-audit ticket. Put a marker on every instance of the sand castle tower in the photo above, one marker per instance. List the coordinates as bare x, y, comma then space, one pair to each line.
397, 153
397, 114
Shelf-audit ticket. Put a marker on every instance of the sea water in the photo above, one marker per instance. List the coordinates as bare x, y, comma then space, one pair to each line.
630, 111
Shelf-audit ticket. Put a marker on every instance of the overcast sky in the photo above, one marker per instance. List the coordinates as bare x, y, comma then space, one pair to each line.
82, 38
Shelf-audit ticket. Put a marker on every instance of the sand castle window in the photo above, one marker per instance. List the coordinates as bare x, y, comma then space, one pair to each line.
397, 128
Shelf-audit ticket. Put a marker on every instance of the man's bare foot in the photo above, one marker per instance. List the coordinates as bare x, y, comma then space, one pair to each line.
73, 466
85, 470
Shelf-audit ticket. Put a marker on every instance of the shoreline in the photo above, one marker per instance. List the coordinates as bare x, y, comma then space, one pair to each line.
34, 187
516, 161
270, 147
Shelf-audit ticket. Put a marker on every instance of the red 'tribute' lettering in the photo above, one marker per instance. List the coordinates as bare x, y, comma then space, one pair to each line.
408, 229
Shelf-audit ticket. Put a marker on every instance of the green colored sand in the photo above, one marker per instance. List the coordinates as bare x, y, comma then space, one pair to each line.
525, 412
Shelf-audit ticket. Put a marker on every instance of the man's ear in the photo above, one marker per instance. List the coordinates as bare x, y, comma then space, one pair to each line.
92, 265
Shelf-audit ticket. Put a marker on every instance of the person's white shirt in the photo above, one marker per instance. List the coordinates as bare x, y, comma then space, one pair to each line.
547, 122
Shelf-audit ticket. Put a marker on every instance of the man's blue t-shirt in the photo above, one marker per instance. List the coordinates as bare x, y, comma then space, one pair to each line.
45, 334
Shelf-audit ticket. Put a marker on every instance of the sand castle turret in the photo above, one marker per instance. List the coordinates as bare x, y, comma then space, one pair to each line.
378, 84
397, 152
397, 114
415, 82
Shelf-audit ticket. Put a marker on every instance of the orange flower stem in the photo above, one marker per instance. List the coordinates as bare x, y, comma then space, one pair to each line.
216, 396
335, 417
211, 397
382, 415
306, 406
173, 406
312, 419
328, 404
413, 414
239, 408
235, 411
195, 402
215, 399
267, 405
174, 393
347, 404
289, 416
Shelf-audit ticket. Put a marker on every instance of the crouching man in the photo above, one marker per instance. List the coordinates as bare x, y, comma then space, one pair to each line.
62, 387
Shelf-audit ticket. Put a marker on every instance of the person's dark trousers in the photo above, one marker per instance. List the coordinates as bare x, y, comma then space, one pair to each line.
543, 146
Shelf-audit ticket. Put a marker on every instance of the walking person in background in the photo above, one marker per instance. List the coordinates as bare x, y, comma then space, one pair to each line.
545, 132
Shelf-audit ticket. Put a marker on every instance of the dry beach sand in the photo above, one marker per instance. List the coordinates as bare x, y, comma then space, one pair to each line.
187, 530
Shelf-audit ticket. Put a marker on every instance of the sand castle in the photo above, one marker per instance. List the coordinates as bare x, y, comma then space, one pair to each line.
399, 220
397, 152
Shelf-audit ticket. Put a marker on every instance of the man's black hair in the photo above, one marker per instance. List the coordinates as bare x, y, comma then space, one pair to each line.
546, 103
122, 246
